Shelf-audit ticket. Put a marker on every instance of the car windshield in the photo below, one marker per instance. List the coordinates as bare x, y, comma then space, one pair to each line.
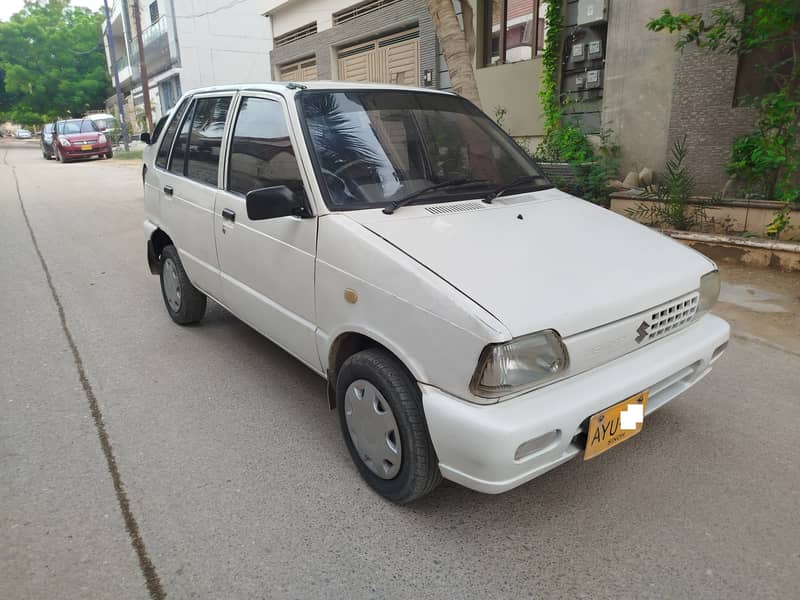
376, 147
78, 126
105, 123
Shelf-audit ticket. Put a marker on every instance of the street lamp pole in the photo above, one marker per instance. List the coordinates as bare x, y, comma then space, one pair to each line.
112, 54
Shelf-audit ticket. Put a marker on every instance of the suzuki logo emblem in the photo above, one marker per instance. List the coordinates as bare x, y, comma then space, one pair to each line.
642, 331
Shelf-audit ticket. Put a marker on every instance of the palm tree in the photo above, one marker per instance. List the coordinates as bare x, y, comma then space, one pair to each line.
458, 46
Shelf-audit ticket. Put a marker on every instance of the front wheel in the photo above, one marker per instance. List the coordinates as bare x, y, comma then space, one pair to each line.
185, 303
110, 154
380, 413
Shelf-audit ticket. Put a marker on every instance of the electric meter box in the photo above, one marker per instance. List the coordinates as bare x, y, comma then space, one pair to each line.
592, 11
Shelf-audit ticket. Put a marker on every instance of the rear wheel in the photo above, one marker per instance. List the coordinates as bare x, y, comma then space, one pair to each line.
185, 303
380, 413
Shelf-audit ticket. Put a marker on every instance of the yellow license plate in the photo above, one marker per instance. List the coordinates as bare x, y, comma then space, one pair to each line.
615, 425
86, 147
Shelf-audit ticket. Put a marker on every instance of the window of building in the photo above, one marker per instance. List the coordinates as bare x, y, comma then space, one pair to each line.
513, 30
205, 139
154, 11
261, 152
169, 136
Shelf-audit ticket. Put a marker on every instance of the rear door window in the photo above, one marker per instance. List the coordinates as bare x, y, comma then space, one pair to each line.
205, 139
169, 135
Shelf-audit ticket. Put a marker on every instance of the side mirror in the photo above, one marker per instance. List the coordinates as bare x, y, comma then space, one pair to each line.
273, 202
145, 137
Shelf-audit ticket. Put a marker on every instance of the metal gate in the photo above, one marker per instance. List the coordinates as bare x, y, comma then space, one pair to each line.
390, 59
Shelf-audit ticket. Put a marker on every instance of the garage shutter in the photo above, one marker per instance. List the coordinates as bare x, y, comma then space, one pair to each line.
390, 59
304, 70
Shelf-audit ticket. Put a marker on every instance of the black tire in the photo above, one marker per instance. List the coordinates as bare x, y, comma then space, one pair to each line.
192, 305
58, 154
419, 469
110, 154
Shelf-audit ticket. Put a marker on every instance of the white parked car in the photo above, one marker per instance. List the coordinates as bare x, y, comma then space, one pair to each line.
24, 134
473, 322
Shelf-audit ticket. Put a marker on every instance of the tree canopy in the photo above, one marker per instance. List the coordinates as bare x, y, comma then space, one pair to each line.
52, 63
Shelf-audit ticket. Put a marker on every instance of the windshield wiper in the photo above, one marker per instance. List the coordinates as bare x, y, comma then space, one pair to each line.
499, 191
414, 195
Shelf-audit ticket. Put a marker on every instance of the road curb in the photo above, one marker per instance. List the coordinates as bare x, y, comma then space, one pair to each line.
773, 254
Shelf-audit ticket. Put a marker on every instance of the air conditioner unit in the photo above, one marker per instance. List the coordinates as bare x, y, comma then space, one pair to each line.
592, 11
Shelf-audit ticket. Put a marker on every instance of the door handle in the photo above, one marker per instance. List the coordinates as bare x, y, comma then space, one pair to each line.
228, 215
168, 190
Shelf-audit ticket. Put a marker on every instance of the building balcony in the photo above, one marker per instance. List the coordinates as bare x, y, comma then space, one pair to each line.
160, 53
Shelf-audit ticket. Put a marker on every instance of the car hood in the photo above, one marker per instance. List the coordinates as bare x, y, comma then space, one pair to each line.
545, 260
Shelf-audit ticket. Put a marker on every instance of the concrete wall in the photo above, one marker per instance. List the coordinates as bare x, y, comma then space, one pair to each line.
703, 107
287, 16
221, 42
515, 88
639, 82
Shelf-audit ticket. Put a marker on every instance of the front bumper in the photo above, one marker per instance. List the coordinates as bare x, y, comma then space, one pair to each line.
476, 445
75, 151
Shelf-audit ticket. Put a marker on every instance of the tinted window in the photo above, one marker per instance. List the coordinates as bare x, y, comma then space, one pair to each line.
378, 147
169, 135
77, 126
261, 153
178, 158
208, 125
159, 126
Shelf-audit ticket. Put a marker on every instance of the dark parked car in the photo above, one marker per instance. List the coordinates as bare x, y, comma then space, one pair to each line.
79, 138
46, 141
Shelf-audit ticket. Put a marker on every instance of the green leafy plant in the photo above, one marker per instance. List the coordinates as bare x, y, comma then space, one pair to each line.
562, 142
670, 205
551, 63
768, 159
500, 113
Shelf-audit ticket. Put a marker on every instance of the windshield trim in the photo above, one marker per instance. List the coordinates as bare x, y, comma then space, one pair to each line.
435, 198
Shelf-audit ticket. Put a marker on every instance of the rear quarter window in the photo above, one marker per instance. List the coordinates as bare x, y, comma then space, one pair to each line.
169, 135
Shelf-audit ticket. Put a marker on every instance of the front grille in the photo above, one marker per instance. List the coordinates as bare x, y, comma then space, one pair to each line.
671, 316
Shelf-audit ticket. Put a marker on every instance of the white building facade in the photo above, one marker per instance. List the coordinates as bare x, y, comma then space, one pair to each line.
187, 44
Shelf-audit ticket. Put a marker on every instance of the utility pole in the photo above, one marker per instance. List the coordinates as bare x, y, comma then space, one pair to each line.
148, 112
112, 54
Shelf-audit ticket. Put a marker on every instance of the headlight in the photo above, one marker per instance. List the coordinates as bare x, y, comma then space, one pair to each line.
524, 363
101, 139
63, 141
709, 292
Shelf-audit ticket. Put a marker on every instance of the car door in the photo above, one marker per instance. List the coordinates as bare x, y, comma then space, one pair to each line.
154, 176
267, 266
189, 188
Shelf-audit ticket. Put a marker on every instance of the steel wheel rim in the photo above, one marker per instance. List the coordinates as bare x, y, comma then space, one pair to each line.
172, 285
373, 429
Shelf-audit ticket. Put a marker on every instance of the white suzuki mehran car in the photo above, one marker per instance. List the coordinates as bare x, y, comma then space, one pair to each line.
473, 322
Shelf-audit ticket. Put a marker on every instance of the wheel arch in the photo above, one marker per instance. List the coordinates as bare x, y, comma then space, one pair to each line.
345, 345
155, 245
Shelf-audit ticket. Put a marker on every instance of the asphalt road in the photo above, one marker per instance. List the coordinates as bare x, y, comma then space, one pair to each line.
224, 474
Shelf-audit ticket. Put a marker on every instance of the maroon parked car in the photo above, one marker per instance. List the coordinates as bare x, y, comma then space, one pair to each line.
79, 138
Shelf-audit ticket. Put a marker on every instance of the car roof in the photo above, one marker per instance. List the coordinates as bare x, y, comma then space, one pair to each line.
99, 116
289, 88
